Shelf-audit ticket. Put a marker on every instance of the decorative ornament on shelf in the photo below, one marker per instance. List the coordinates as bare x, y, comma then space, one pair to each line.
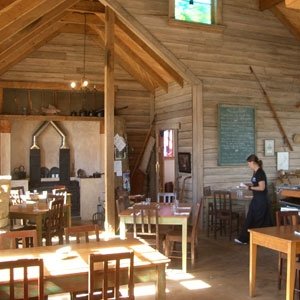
50, 110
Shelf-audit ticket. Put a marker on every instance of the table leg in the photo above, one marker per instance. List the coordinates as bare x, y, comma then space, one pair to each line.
161, 282
291, 265
252, 266
184, 245
122, 228
38, 221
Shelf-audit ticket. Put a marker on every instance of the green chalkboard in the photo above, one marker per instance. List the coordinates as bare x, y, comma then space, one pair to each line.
236, 129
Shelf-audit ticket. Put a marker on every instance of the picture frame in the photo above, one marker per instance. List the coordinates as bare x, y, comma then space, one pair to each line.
282, 161
184, 162
269, 147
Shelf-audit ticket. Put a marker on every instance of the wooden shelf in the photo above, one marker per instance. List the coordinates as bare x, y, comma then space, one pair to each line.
49, 118
290, 193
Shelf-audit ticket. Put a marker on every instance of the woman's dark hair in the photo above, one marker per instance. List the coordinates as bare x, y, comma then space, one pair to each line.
255, 159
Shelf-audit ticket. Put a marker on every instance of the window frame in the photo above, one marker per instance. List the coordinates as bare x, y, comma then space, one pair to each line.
216, 17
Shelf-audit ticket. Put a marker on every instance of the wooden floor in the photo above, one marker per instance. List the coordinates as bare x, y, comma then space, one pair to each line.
221, 272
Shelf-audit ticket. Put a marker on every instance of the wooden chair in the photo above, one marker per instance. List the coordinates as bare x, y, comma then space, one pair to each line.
54, 221
181, 195
285, 218
143, 224
29, 290
82, 231
223, 215
208, 209
13, 239
111, 276
175, 236
166, 197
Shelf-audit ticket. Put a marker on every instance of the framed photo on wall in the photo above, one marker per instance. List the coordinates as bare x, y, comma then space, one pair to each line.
282, 161
269, 147
184, 162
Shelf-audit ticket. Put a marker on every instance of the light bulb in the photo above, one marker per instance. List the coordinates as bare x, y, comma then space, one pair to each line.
73, 84
85, 83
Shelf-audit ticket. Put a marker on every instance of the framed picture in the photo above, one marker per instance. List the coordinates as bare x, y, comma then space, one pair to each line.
269, 147
184, 162
282, 161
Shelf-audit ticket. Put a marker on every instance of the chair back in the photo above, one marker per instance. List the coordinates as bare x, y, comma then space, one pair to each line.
12, 239
145, 222
196, 220
222, 202
54, 221
207, 191
82, 231
181, 197
284, 218
166, 197
14, 292
113, 275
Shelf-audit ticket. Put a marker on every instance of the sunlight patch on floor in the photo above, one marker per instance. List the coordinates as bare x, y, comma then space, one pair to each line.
175, 274
195, 284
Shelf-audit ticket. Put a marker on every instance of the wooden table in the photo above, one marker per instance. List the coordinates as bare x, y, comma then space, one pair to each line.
36, 212
69, 272
281, 239
166, 217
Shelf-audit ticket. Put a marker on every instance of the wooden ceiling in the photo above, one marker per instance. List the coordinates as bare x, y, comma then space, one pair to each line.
288, 12
25, 26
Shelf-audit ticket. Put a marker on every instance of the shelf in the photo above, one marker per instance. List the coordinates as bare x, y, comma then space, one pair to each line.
290, 193
49, 118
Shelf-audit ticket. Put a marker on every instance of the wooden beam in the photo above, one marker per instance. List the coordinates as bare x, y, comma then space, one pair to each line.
128, 64
1, 100
294, 4
109, 104
56, 86
144, 34
77, 28
142, 50
86, 6
34, 30
267, 4
289, 17
143, 64
23, 13
31, 44
5, 3
78, 18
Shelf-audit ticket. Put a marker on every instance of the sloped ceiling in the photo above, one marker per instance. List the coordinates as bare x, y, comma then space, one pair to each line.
288, 12
25, 26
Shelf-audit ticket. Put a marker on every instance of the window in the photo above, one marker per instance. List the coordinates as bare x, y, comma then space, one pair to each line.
168, 137
195, 12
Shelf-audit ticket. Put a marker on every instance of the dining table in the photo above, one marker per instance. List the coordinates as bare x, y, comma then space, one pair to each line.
36, 211
279, 238
169, 214
66, 267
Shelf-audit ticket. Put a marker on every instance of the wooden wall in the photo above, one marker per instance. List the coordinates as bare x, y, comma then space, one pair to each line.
174, 110
221, 61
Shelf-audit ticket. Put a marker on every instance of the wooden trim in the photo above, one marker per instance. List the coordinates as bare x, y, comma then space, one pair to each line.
49, 118
1, 99
198, 144
266, 4
294, 4
5, 126
207, 27
58, 86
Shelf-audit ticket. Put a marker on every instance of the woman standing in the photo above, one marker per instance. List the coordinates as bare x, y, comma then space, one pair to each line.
259, 213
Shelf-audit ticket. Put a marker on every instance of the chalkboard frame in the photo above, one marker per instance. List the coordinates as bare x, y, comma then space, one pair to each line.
248, 131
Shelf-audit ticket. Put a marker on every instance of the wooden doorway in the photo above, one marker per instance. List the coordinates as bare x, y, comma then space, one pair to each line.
166, 159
